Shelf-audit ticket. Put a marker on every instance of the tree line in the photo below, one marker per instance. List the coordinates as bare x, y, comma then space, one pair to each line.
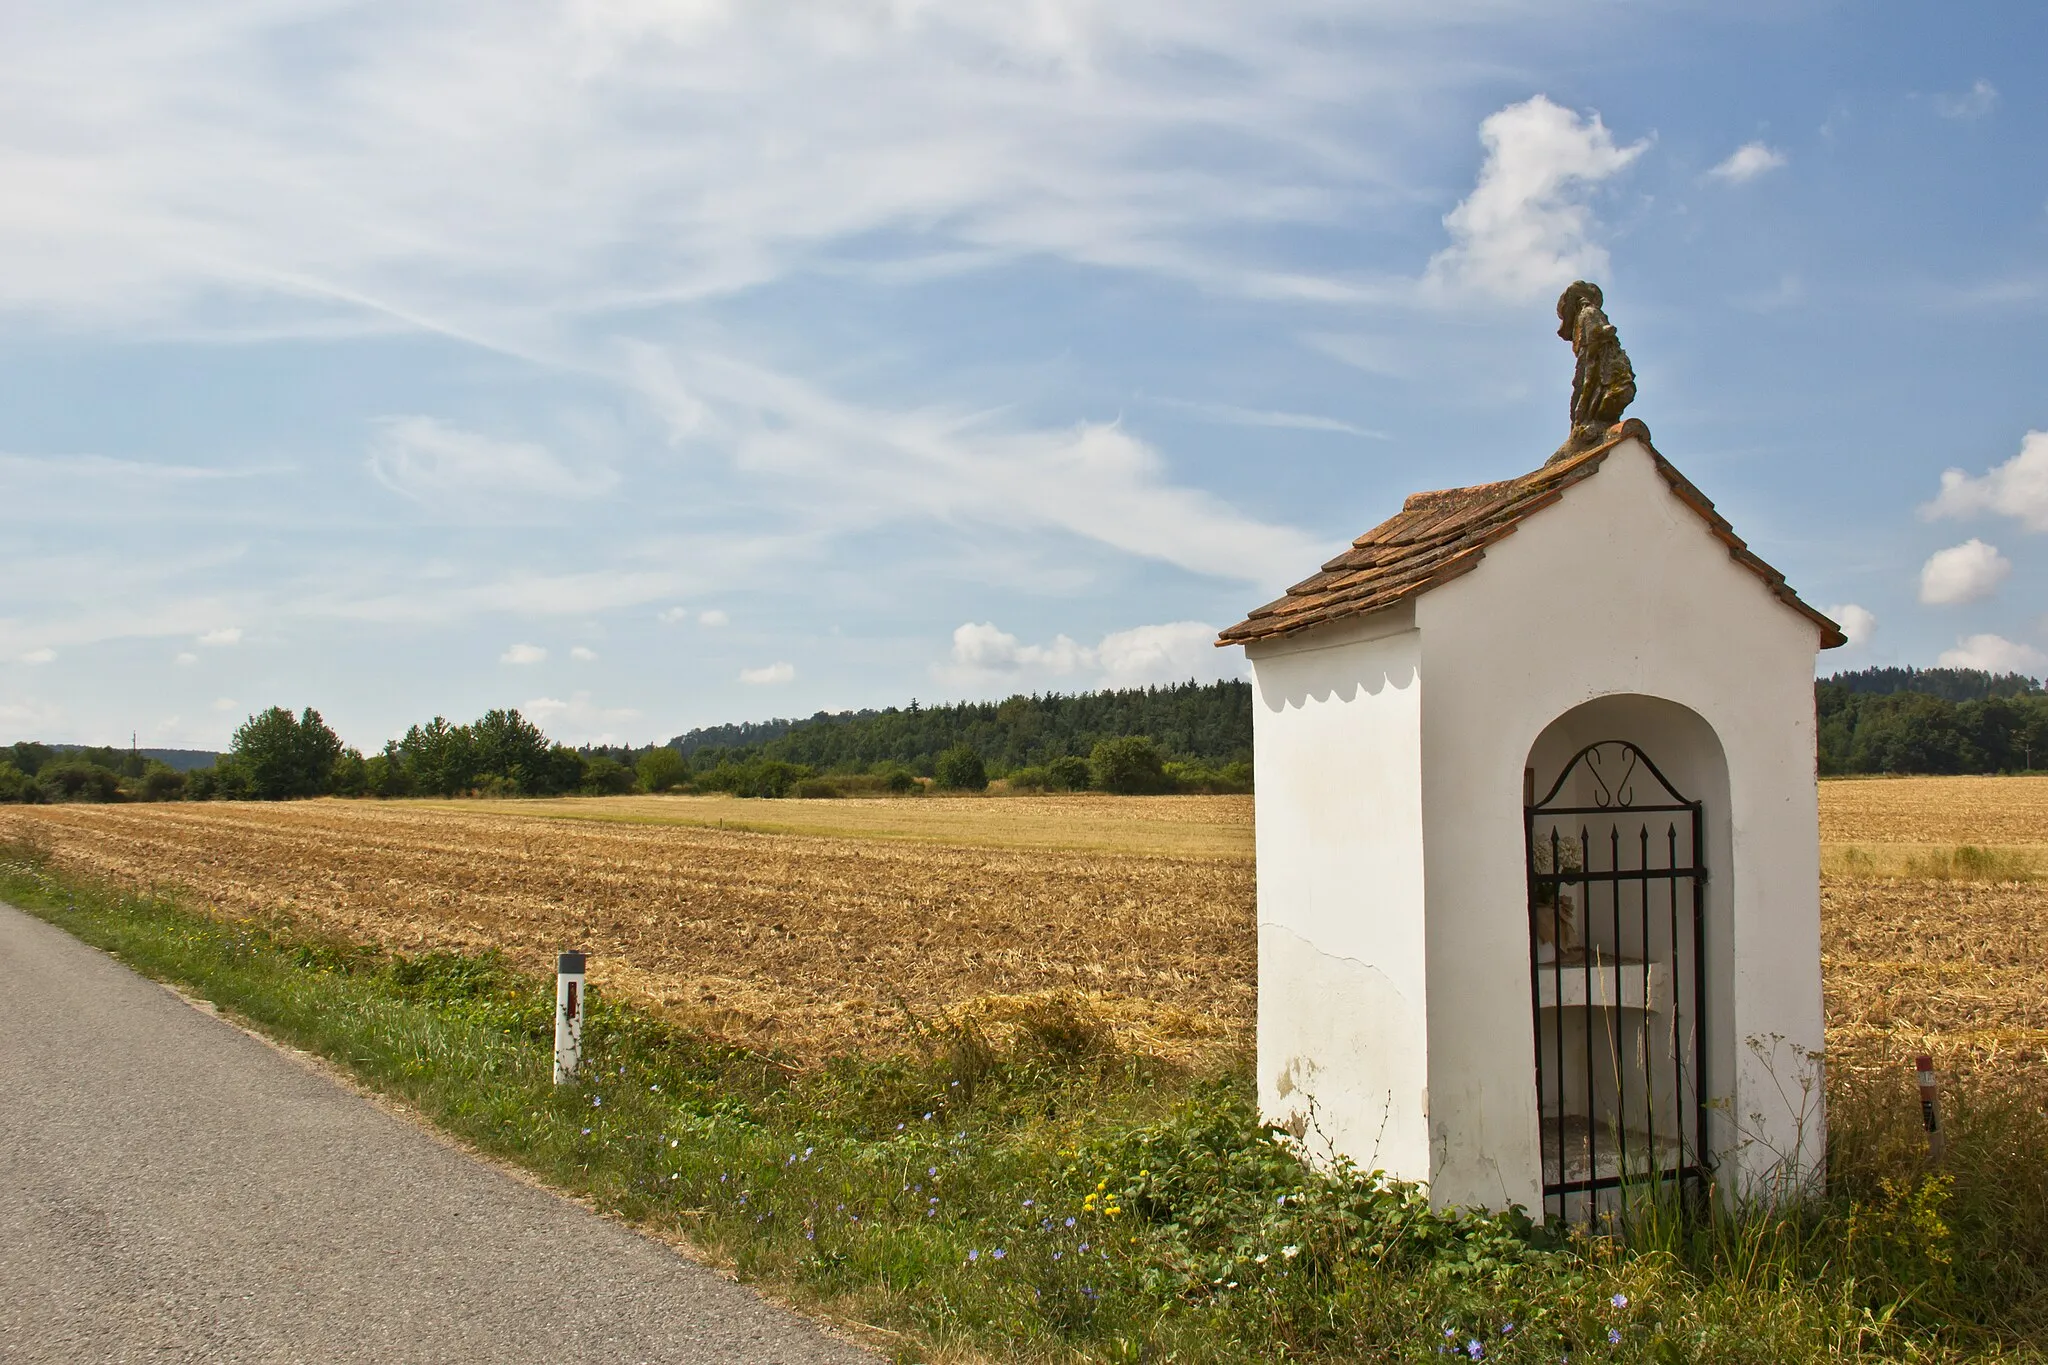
279, 756
1931, 720
1197, 738
1190, 737
1196, 722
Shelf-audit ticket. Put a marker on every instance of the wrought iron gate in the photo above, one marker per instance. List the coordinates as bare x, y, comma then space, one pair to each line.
1617, 897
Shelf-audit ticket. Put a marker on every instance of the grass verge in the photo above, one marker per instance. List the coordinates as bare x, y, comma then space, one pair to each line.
1057, 1200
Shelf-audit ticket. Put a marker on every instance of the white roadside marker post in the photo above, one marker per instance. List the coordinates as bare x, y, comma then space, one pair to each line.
1937, 1141
568, 1016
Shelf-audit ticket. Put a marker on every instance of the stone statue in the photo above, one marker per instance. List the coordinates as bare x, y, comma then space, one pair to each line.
1603, 382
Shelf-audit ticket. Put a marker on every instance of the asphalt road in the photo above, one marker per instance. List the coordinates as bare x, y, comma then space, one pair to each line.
172, 1189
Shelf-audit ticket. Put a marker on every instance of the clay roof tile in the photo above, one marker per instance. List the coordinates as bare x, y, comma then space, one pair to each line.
1441, 534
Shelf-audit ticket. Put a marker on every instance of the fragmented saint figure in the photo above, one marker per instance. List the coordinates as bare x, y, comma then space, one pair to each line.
1603, 382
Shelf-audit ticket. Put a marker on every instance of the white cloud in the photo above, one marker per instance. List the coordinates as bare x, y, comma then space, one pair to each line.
2018, 488
1747, 162
583, 652
769, 675
579, 720
1173, 652
226, 704
985, 655
40, 656
1995, 654
1963, 573
524, 654
1980, 99
862, 466
1858, 623
186, 657
671, 616
713, 617
226, 635
1527, 227
30, 719
468, 474
983, 649
439, 166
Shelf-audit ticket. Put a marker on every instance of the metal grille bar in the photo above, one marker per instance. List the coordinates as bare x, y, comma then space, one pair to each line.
1617, 993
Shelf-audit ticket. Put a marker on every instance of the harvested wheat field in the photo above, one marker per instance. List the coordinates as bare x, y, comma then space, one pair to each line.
1934, 921
801, 943
814, 926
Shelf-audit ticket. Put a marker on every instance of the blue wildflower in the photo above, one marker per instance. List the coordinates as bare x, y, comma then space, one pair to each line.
1619, 1300
1613, 1336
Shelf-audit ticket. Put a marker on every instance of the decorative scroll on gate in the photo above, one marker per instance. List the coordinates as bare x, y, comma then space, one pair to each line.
1617, 895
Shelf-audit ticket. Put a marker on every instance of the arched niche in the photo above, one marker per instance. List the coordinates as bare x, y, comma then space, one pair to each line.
1629, 863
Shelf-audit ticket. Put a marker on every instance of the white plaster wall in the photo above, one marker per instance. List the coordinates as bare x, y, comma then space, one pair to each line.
1336, 721
1618, 589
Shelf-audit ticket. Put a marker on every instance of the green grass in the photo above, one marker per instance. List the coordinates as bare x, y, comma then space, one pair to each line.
1059, 1201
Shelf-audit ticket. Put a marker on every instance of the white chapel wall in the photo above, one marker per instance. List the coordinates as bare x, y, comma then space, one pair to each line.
1342, 979
1618, 589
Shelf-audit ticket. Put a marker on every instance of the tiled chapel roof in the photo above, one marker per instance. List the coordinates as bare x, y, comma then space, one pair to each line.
1437, 536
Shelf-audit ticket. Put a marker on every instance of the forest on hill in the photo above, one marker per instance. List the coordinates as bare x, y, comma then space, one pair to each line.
1931, 720
1205, 722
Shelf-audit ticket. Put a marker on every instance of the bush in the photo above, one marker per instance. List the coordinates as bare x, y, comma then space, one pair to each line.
385, 774
1068, 773
758, 778
163, 783
771, 779
1230, 779
1130, 766
960, 769
14, 783
817, 789
662, 768
73, 780
1027, 780
351, 774
604, 776
897, 780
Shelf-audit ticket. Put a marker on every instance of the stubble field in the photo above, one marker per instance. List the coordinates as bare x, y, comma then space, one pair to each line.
801, 942
817, 926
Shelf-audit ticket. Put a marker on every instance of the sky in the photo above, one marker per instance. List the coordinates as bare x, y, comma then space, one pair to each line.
650, 365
